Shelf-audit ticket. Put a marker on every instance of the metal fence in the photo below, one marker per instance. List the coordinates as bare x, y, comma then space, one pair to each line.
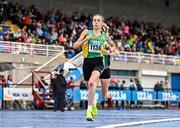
29, 49
147, 58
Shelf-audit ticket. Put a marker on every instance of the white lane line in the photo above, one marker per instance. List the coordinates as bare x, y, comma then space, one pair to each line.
139, 123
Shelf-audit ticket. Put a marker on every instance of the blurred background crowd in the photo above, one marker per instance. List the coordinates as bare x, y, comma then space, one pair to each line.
29, 25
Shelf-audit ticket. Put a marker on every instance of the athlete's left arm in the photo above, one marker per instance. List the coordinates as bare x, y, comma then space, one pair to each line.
112, 45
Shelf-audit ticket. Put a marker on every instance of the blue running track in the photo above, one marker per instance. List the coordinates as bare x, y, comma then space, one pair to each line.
76, 119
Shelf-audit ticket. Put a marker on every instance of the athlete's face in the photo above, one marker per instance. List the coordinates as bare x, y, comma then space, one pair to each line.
97, 22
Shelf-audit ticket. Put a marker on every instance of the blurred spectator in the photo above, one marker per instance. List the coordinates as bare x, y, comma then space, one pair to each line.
110, 101
122, 87
58, 86
114, 84
42, 84
56, 28
166, 88
71, 83
69, 53
158, 87
83, 85
2, 81
166, 82
161, 86
139, 88
83, 104
132, 87
9, 82
138, 85
117, 87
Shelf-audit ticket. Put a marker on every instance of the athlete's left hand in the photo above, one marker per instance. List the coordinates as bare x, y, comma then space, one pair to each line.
106, 52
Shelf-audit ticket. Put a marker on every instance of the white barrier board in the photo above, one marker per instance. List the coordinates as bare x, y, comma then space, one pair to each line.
18, 94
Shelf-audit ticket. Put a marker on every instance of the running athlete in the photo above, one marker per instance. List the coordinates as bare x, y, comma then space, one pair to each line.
93, 42
105, 76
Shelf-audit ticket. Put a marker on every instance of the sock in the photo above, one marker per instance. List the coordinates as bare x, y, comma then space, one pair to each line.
89, 108
108, 96
95, 102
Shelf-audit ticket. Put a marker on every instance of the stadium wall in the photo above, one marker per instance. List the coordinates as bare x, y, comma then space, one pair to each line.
164, 11
148, 74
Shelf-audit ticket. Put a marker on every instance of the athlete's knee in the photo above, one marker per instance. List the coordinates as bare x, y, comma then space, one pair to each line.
104, 96
90, 83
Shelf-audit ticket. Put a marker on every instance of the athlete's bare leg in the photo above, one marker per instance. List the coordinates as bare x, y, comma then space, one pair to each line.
92, 84
104, 87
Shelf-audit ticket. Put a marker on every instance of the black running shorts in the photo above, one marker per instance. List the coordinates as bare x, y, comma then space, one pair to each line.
106, 74
91, 64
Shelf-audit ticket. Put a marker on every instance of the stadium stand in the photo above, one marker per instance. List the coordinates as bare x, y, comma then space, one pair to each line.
29, 25
138, 41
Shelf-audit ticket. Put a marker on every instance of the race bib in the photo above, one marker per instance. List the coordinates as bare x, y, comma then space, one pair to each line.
95, 46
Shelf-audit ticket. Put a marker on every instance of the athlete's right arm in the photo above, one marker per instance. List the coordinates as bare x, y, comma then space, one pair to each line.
83, 38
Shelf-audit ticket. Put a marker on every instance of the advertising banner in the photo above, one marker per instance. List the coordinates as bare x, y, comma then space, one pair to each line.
1, 96
143, 95
127, 95
169, 96
18, 94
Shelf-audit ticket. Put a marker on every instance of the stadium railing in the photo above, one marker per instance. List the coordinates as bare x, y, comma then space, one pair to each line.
135, 58
147, 58
51, 50
29, 48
